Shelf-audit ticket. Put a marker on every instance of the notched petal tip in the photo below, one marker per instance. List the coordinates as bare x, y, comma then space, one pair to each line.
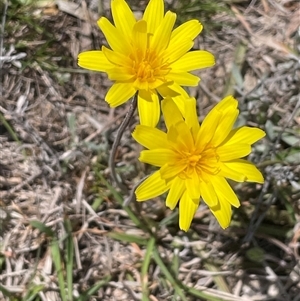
187, 210
222, 217
228, 102
154, 14
152, 187
140, 200
102, 21
94, 60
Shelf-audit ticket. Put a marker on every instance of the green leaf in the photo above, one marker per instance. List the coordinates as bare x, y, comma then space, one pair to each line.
290, 139
42, 227
5, 292
69, 258
9, 128
120, 200
59, 268
168, 275
270, 130
128, 238
256, 254
33, 292
87, 294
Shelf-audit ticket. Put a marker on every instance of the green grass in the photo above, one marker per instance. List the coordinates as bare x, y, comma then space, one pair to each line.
202, 10
273, 212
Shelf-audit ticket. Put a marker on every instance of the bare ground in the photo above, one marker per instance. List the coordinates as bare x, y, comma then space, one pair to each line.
56, 132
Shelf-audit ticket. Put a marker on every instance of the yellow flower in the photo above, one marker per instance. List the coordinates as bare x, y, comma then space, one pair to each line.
195, 160
146, 56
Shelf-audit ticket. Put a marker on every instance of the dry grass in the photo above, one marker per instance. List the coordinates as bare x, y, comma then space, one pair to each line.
55, 135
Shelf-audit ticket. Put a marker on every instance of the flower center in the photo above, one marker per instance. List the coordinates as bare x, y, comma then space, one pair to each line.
193, 160
145, 72
207, 161
149, 69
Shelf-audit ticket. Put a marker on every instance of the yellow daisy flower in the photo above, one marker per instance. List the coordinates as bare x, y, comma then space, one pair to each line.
195, 160
146, 56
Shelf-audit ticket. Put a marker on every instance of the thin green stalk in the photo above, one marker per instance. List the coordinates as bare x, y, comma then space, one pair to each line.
168, 275
145, 267
120, 200
123, 126
69, 259
86, 295
58, 267
128, 238
196, 293
9, 128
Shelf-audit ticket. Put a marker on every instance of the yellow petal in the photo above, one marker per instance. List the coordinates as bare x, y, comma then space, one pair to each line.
244, 134
164, 90
143, 87
251, 173
190, 115
208, 193
120, 74
119, 93
236, 175
152, 187
149, 111
187, 210
227, 103
183, 78
217, 124
182, 40
150, 137
187, 30
146, 94
114, 37
160, 82
192, 184
232, 152
177, 50
157, 157
176, 190
226, 123
123, 17
162, 35
94, 60
140, 36
222, 213
185, 140
154, 14
171, 112
170, 171
117, 58
224, 191
172, 136
180, 99
194, 60
207, 129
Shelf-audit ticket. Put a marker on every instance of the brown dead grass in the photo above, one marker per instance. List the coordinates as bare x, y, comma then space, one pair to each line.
66, 130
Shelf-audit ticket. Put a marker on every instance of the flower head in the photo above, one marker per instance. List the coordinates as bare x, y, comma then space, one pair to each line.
195, 160
146, 56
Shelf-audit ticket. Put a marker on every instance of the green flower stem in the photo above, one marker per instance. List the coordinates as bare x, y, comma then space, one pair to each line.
124, 124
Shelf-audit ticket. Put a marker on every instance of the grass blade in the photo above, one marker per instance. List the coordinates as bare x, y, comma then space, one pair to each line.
128, 238
145, 267
69, 258
86, 295
120, 200
58, 267
168, 275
